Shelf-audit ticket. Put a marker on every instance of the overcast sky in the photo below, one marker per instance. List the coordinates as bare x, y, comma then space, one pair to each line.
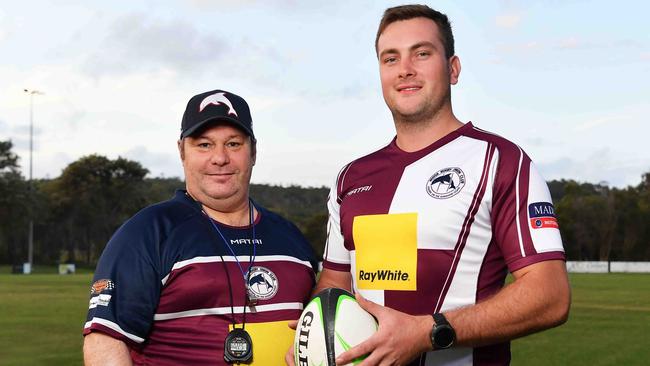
569, 81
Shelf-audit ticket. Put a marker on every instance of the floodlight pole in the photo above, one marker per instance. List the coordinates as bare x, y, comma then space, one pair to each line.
30, 236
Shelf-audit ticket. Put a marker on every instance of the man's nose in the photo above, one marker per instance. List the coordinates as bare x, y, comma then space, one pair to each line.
406, 68
220, 156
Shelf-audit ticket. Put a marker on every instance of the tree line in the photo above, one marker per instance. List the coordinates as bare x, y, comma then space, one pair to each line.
76, 213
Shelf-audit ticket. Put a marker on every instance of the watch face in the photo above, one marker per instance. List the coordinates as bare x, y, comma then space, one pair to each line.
238, 347
444, 336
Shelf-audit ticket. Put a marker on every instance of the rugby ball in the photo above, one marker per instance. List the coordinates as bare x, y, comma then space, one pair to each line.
330, 324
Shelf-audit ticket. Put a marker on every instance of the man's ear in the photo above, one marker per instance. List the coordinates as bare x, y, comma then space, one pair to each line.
454, 69
181, 149
253, 151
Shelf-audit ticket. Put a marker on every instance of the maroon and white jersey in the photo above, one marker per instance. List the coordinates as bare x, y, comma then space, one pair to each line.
439, 228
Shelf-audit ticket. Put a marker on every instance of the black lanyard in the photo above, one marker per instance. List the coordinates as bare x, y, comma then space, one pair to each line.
238, 346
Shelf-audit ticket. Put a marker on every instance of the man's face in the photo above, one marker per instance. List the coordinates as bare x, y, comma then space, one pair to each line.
415, 73
218, 162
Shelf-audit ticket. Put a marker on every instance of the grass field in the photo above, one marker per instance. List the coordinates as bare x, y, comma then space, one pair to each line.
609, 324
41, 317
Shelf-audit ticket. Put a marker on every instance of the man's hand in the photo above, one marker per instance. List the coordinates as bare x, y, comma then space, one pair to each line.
400, 337
288, 357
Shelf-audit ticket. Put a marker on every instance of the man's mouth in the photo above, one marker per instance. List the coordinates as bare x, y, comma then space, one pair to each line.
408, 88
218, 175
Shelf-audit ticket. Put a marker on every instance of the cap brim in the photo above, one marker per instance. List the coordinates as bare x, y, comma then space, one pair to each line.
204, 123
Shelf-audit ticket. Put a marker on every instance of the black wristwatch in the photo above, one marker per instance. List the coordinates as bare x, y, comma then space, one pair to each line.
442, 334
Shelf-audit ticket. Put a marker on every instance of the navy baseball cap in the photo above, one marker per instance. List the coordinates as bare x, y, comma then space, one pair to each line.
216, 106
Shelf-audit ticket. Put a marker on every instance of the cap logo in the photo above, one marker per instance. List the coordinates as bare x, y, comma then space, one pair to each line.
216, 99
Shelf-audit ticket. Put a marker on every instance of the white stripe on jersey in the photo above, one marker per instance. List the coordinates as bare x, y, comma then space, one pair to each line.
345, 172
521, 157
115, 327
465, 270
227, 310
521, 242
241, 258
334, 233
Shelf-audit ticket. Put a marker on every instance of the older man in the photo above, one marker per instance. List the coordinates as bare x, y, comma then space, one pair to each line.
208, 277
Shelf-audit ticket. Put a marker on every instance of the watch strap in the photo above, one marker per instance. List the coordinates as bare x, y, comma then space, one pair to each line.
443, 335
439, 319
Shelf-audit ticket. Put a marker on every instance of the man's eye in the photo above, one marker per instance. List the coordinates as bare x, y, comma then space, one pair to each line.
233, 144
423, 53
390, 60
204, 145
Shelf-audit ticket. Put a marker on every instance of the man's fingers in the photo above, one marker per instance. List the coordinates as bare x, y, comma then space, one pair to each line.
373, 359
368, 305
288, 357
293, 324
369, 345
357, 351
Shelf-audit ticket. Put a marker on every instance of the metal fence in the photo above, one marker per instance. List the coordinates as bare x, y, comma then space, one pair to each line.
607, 267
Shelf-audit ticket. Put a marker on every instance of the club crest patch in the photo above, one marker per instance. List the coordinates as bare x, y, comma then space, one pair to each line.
446, 183
101, 285
262, 283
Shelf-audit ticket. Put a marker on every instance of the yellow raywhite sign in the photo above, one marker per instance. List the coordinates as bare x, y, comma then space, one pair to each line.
386, 251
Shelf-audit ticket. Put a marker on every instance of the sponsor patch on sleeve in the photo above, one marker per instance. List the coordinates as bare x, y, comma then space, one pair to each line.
101, 285
100, 300
542, 215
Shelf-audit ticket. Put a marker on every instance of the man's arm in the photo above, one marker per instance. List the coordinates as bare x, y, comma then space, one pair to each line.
538, 299
102, 350
331, 278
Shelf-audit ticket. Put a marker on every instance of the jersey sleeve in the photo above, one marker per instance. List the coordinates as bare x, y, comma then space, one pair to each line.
335, 256
126, 285
524, 223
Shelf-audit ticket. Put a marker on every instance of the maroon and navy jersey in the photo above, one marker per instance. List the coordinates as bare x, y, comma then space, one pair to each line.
161, 285
439, 228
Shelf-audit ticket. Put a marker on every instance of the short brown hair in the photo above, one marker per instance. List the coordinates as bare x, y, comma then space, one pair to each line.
406, 12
